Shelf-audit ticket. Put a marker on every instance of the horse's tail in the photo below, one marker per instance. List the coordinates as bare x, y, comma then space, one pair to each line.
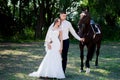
92, 51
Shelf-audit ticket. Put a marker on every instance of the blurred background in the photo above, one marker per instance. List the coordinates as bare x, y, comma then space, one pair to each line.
28, 20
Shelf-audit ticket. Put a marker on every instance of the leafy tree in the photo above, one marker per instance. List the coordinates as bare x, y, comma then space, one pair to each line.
18, 15
7, 24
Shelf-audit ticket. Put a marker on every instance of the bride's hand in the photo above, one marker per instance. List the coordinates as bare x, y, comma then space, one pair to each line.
60, 50
49, 46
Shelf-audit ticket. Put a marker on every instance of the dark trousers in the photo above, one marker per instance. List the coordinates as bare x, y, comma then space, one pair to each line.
64, 54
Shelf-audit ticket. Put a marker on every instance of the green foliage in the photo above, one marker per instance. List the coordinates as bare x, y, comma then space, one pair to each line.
27, 34
110, 33
39, 14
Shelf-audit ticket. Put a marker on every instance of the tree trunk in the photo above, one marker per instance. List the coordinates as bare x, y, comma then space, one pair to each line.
20, 14
40, 19
35, 10
13, 11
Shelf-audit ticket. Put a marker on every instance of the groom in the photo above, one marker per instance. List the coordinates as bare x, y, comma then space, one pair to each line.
66, 28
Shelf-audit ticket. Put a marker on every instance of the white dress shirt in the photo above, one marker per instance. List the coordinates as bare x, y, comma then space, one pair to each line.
66, 28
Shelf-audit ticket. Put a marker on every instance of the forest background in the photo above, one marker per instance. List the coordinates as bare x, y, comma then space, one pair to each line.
28, 20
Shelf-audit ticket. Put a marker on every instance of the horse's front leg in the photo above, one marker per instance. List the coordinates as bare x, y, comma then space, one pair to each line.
81, 55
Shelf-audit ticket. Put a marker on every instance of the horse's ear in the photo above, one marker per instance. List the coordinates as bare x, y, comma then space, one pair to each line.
82, 9
87, 8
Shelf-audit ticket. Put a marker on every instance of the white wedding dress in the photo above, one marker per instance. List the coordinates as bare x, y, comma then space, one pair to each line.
51, 65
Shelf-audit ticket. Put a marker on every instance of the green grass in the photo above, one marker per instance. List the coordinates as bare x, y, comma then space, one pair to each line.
17, 60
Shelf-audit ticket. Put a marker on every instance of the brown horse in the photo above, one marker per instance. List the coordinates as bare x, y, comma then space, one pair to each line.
92, 41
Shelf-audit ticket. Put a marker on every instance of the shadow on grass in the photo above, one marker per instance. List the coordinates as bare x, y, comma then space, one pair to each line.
18, 60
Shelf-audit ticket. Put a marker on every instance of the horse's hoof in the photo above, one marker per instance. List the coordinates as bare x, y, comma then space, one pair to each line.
80, 70
87, 70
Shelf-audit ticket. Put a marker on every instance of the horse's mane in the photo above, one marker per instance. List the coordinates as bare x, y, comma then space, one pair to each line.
85, 19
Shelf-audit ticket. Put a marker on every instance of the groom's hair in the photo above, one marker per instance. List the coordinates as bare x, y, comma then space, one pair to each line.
62, 12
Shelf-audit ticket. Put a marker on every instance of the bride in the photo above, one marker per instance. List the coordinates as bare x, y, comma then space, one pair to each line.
51, 65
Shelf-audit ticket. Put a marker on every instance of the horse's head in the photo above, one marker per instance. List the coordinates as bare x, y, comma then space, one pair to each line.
84, 25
